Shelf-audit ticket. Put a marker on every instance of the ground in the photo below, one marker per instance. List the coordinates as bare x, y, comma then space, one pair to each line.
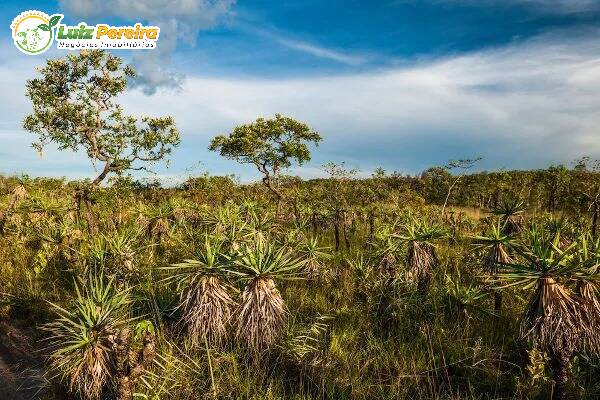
21, 370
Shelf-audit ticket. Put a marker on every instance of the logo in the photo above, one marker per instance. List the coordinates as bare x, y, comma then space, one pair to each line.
34, 32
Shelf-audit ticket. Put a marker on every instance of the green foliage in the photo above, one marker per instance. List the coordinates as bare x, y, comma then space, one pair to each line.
74, 107
237, 322
263, 259
269, 144
80, 336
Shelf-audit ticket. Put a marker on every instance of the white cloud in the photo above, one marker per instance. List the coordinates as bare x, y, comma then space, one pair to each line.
322, 52
519, 106
179, 20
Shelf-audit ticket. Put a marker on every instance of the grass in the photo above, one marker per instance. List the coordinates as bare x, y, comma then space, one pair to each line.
349, 333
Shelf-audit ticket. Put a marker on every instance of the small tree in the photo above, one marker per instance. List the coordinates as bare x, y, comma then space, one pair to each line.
269, 144
336, 198
464, 166
589, 188
74, 107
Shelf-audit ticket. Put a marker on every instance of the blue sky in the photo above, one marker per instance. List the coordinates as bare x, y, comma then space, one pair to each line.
402, 84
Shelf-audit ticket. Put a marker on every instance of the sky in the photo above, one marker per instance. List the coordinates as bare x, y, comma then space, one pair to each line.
398, 84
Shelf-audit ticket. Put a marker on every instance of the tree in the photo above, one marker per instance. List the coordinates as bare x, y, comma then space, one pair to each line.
269, 144
338, 192
588, 187
74, 107
495, 244
463, 165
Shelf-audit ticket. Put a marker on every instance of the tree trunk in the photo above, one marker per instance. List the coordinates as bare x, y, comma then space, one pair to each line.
595, 219
278, 208
336, 229
84, 206
345, 231
559, 363
448, 195
129, 364
90, 217
371, 225
278, 197
497, 301
296, 212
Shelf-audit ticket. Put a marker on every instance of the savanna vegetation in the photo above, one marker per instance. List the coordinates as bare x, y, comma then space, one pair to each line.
445, 285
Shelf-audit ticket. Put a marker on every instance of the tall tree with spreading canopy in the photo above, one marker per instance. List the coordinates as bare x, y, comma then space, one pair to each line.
74, 107
271, 145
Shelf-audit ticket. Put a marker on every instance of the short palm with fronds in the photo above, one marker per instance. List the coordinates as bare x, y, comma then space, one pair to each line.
80, 338
588, 286
205, 294
261, 314
555, 318
421, 258
495, 244
314, 256
386, 248
510, 212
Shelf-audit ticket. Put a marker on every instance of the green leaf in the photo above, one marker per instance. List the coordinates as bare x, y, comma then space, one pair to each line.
44, 27
54, 20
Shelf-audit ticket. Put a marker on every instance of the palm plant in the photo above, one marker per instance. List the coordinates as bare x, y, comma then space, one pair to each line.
260, 316
588, 258
555, 318
205, 299
421, 258
61, 235
223, 217
261, 225
559, 226
386, 248
157, 219
314, 256
80, 338
495, 244
114, 253
122, 248
19, 193
463, 297
43, 206
362, 269
510, 212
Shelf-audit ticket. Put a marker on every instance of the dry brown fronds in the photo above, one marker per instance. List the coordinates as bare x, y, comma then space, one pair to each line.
17, 196
91, 374
497, 255
554, 318
387, 265
261, 314
421, 260
589, 296
157, 228
312, 269
208, 308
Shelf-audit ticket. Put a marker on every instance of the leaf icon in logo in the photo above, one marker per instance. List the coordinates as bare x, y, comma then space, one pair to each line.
44, 27
54, 20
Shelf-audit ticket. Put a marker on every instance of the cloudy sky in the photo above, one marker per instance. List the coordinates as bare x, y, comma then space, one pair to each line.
398, 84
